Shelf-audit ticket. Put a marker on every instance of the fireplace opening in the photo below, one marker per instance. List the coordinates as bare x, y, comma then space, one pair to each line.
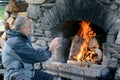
69, 29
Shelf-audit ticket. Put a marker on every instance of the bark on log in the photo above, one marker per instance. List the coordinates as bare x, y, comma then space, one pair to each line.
93, 43
76, 45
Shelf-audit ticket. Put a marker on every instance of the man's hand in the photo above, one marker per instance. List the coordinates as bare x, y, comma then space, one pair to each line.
53, 44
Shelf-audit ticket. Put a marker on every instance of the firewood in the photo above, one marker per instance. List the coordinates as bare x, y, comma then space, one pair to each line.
87, 61
4, 26
12, 7
99, 53
76, 45
93, 43
2, 42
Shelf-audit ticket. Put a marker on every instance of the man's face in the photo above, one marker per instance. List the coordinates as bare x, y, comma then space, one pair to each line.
27, 29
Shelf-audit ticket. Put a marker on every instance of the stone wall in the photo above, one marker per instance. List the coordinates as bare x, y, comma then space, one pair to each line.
46, 14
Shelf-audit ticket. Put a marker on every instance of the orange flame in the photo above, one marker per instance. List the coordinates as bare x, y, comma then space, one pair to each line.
86, 33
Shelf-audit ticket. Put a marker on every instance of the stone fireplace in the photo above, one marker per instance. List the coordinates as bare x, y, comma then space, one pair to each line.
60, 19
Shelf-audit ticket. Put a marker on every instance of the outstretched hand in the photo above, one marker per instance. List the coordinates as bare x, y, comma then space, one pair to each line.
53, 44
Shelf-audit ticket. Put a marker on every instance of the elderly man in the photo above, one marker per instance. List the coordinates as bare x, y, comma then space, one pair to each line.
18, 56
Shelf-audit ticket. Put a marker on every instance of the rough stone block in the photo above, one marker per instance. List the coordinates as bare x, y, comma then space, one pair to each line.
118, 38
52, 68
104, 71
77, 70
35, 1
66, 68
92, 72
80, 64
117, 74
74, 72
117, 1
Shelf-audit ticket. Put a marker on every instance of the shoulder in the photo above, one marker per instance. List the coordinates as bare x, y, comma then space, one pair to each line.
15, 41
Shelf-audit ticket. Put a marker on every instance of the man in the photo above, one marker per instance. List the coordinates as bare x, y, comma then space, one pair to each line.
18, 56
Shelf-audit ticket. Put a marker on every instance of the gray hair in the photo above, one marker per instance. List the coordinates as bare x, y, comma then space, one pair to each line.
19, 22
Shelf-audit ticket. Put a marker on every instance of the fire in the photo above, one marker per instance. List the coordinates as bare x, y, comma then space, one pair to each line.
86, 33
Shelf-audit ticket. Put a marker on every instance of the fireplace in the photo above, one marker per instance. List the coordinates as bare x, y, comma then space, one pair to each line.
66, 32
60, 19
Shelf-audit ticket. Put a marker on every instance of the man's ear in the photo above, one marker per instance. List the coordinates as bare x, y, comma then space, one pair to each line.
21, 28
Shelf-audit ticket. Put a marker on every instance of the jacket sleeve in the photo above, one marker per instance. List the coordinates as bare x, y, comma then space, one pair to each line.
29, 54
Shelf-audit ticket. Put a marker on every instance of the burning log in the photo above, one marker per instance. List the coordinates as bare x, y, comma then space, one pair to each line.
94, 46
87, 61
94, 52
98, 59
75, 47
93, 43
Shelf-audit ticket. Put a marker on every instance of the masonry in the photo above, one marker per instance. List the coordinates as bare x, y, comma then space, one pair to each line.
47, 15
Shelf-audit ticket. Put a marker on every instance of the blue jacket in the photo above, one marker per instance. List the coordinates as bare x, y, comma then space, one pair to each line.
21, 46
